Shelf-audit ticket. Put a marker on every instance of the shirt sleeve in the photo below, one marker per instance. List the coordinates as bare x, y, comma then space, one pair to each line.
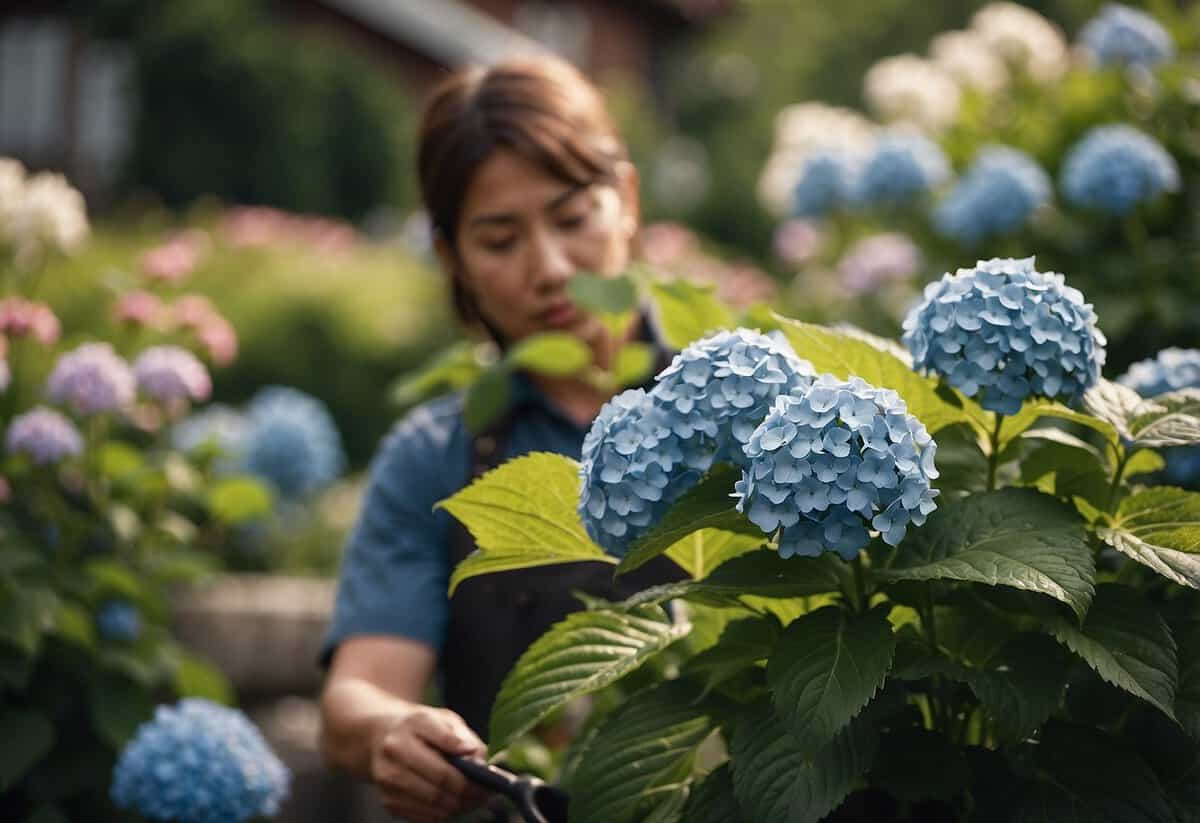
395, 569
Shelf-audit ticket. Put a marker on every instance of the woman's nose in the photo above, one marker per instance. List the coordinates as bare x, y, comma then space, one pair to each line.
551, 265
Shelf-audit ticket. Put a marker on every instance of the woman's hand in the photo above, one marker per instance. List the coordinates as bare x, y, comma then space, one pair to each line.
409, 767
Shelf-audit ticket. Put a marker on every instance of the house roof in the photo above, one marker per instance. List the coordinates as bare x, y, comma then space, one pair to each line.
449, 31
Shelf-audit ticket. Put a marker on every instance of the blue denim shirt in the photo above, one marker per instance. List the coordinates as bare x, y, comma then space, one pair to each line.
396, 567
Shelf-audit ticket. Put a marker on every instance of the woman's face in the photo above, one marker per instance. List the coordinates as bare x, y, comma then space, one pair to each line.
523, 234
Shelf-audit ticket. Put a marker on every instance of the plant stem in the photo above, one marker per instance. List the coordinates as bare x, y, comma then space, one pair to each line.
994, 453
1118, 473
862, 596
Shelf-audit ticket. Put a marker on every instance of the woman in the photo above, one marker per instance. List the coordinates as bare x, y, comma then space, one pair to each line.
527, 183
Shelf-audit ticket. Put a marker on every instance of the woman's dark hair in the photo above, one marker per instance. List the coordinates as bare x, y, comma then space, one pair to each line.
540, 107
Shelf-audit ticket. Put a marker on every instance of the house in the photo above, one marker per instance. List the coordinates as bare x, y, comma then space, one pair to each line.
64, 102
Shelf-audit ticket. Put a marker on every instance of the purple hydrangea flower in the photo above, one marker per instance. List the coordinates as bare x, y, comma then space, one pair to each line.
1003, 332
91, 379
172, 375
877, 260
1123, 36
44, 436
831, 460
119, 621
999, 193
199, 762
901, 167
1115, 168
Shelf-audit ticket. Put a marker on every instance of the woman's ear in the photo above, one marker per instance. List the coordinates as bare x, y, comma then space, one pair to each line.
631, 203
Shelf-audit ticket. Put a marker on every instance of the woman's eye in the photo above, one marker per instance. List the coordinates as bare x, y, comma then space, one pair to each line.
499, 244
573, 221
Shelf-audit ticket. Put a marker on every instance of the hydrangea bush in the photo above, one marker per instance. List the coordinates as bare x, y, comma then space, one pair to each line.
934, 584
99, 517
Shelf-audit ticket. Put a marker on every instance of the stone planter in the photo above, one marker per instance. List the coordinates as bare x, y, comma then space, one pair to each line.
263, 631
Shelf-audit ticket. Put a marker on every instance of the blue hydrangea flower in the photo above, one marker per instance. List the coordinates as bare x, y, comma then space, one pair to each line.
1003, 332
198, 762
1122, 36
632, 468
901, 167
833, 459
717, 390
91, 379
44, 436
825, 182
1170, 370
646, 449
217, 426
998, 194
292, 441
119, 621
172, 375
1114, 168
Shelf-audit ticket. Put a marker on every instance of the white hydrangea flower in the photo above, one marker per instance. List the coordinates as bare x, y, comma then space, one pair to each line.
966, 57
800, 130
1024, 38
50, 215
910, 88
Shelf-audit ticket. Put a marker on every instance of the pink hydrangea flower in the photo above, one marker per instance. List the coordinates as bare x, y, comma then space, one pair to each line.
173, 261
24, 318
219, 339
141, 308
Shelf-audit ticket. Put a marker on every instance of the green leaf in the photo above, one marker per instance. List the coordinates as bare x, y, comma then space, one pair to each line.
1022, 685
825, 668
918, 764
16, 667
1087, 776
687, 312
196, 677
701, 552
25, 613
707, 505
1011, 537
760, 573
1144, 461
772, 780
743, 644
577, 656
1187, 694
119, 459
647, 743
634, 364
712, 800
241, 499
28, 737
1034, 410
843, 356
452, 369
1114, 404
111, 578
557, 354
667, 803
515, 529
1128, 644
602, 295
14, 560
119, 705
1168, 420
1065, 467
1160, 528
487, 399
74, 624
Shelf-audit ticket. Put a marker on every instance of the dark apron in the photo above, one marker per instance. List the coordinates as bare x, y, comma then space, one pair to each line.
495, 617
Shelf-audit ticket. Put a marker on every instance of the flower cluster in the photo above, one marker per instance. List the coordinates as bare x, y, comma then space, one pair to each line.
216, 427
1170, 370
25, 318
173, 260
198, 762
292, 441
998, 194
965, 56
1122, 36
912, 89
1024, 38
645, 449
172, 376
633, 468
1003, 331
901, 167
196, 313
1114, 168
718, 389
826, 181
44, 436
119, 621
877, 260
832, 459
39, 213
91, 379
